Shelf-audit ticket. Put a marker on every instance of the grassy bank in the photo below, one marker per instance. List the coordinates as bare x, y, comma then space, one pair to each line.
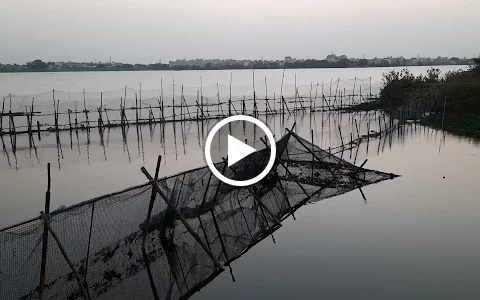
456, 94
468, 126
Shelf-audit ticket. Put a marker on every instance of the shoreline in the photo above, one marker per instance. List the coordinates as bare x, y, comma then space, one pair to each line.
221, 69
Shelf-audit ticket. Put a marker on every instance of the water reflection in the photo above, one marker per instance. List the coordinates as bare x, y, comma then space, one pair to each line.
330, 131
344, 134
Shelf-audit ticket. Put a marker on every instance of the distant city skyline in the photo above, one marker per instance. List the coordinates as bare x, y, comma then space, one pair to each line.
111, 58
331, 61
287, 58
150, 30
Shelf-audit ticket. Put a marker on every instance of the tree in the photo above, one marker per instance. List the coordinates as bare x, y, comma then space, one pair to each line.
37, 65
362, 63
475, 68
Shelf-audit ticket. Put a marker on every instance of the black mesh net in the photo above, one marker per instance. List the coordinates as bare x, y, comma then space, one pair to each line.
117, 252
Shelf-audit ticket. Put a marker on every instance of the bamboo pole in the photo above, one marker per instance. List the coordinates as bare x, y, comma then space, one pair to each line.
86, 111
88, 248
295, 105
173, 98
108, 119
1, 118
218, 100
145, 231
136, 109
254, 96
38, 129
76, 115
230, 97
201, 97
340, 131
45, 213
370, 87
285, 105
29, 127
257, 199
163, 111
182, 219
353, 91
356, 126
67, 259
311, 88
56, 117
140, 101
31, 118
281, 162
69, 119
181, 104
281, 94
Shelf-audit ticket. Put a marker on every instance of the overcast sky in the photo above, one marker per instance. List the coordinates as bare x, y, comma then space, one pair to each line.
147, 31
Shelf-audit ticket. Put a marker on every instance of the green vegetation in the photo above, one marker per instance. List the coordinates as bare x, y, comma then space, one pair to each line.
461, 125
456, 93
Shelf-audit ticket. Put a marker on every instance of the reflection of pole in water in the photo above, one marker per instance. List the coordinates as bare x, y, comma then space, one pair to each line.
108, 135
175, 139
182, 128
254, 135
140, 142
78, 142
71, 139
379, 144
5, 151
368, 135
356, 152
162, 140
88, 146
151, 126
198, 134
102, 142
125, 142
138, 139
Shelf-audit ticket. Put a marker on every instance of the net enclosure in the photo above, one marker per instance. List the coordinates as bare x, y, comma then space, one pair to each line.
168, 238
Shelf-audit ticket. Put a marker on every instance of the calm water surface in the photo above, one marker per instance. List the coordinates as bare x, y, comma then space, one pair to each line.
34, 83
415, 238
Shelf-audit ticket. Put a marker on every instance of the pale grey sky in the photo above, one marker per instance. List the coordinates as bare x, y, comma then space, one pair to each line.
149, 30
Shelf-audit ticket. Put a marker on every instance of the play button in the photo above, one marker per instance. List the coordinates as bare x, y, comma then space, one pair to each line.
237, 150
240, 156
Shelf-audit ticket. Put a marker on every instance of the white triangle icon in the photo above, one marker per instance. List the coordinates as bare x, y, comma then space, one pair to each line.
237, 150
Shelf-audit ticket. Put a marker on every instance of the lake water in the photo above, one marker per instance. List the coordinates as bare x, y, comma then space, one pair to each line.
415, 238
35, 83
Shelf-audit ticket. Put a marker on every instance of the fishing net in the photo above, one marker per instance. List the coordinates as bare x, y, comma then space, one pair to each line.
117, 252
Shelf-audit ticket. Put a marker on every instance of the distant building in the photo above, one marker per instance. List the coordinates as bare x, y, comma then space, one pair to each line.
332, 58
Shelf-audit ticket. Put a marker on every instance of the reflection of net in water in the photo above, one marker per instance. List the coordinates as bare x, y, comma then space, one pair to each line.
103, 237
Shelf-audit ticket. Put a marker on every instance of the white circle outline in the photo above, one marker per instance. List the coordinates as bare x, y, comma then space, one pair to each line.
271, 161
